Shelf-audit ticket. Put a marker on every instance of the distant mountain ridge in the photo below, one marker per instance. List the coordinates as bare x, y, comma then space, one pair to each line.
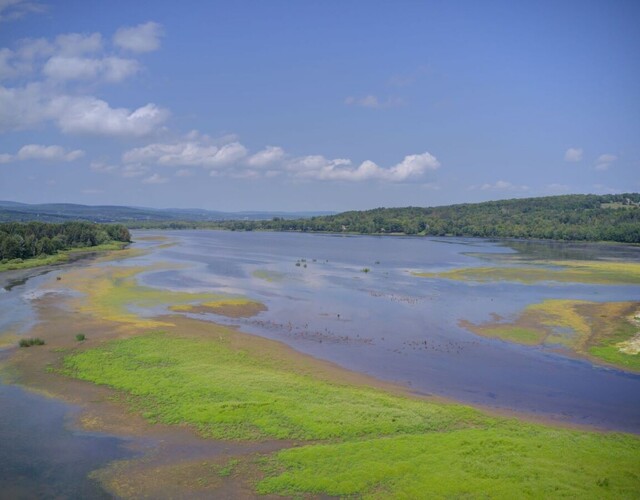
12, 211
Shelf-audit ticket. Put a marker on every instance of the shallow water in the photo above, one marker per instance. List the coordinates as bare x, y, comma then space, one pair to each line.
40, 457
402, 328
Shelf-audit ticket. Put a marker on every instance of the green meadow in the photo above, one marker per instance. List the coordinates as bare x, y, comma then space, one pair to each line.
362, 441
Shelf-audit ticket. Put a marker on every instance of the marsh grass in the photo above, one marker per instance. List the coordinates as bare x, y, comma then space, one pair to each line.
227, 393
372, 443
565, 271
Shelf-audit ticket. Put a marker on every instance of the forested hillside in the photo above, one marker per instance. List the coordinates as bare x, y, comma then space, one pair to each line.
33, 239
568, 217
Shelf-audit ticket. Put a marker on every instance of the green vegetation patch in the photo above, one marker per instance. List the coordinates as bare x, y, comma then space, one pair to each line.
602, 331
505, 461
377, 445
567, 271
227, 393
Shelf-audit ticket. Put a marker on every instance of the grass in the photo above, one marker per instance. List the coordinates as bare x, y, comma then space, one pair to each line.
60, 257
503, 462
228, 393
566, 271
372, 443
81, 337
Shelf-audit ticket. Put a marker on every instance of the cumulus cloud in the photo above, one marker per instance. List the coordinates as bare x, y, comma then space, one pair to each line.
52, 153
232, 159
142, 38
40, 152
268, 156
110, 69
605, 161
89, 115
573, 155
55, 96
187, 154
318, 167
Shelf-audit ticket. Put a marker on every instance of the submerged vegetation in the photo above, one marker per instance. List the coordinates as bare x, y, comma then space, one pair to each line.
604, 331
567, 271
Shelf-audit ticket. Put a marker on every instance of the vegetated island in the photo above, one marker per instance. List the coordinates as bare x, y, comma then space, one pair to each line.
613, 217
308, 427
32, 244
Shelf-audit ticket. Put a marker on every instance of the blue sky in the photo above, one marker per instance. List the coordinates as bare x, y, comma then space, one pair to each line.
316, 105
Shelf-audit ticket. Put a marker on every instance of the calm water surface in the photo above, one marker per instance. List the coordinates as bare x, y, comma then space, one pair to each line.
401, 328
386, 323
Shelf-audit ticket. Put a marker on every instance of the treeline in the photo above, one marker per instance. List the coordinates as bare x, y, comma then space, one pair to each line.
567, 217
33, 239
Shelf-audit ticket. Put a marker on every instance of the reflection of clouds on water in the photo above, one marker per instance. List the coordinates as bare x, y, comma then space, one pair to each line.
396, 326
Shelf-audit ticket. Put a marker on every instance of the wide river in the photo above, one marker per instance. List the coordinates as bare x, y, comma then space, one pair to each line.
386, 322
398, 327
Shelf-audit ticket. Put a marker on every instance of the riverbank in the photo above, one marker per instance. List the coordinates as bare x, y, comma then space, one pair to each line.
62, 257
179, 381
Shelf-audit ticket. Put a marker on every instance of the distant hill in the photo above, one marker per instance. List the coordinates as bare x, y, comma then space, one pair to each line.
569, 217
11, 211
578, 217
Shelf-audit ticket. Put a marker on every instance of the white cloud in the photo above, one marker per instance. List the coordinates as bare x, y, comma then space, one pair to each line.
573, 154
142, 38
268, 156
187, 154
111, 69
15, 9
92, 191
605, 161
233, 160
155, 179
39, 152
89, 115
184, 172
50, 153
318, 167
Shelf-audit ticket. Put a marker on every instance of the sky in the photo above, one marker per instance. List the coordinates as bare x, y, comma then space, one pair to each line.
305, 105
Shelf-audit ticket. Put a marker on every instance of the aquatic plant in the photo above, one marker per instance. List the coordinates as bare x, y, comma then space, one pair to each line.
30, 342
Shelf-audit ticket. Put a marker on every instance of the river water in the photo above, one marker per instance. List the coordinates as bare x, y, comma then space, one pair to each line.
386, 322
393, 325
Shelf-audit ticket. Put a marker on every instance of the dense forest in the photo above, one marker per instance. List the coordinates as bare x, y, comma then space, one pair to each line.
568, 217
33, 239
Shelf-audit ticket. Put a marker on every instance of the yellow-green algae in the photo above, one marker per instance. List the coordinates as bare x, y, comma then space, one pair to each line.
599, 330
109, 291
566, 271
375, 444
